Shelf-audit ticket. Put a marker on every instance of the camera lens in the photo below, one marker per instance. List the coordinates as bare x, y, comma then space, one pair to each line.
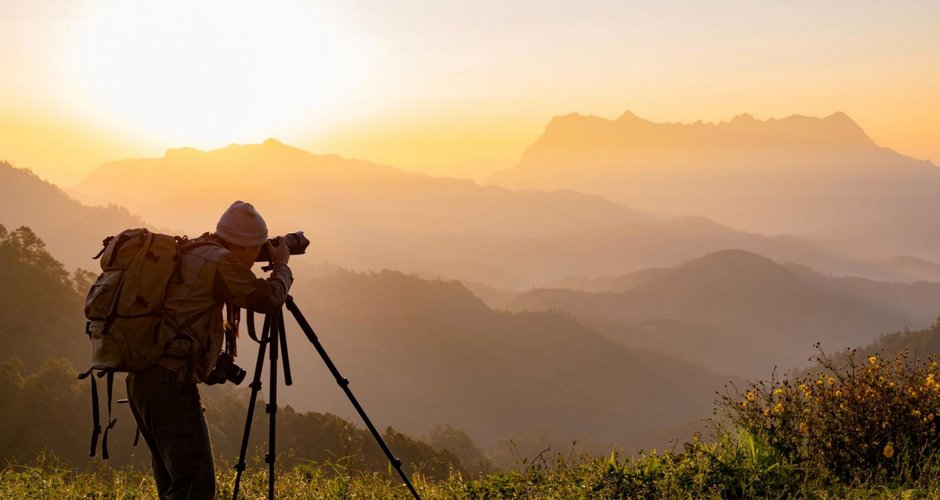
296, 243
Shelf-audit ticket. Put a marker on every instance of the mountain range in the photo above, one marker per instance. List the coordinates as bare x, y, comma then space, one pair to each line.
673, 308
367, 216
917, 302
358, 214
819, 176
733, 312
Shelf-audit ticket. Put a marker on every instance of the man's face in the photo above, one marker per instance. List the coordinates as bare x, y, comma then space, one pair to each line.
246, 254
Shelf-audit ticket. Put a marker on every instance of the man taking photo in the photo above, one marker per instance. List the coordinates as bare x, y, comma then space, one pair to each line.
215, 270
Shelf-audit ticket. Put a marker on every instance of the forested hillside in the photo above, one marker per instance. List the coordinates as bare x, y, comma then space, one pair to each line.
40, 303
71, 230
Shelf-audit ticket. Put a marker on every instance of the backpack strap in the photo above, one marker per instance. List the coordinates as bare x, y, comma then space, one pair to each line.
95, 416
96, 413
104, 442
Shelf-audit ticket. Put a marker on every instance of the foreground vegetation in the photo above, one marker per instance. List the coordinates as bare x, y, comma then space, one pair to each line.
732, 468
858, 428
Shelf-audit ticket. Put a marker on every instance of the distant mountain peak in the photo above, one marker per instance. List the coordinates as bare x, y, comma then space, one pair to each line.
840, 116
731, 268
629, 117
271, 145
744, 118
574, 129
733, 257
563, 122
844, 122
184, 152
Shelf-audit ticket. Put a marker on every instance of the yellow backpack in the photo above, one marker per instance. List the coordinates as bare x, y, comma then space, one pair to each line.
124, 310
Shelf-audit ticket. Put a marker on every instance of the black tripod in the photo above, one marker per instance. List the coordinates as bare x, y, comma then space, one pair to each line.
273, 333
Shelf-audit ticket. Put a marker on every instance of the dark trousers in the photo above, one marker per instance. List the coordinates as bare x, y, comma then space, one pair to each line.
170, 417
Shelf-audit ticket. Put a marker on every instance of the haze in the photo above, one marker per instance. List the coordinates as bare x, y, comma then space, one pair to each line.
528, 220
457, 90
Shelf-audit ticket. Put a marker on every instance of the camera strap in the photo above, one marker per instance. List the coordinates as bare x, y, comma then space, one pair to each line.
232, 320
251, 326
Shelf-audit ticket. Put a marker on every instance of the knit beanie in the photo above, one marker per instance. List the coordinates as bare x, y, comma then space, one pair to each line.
242, 225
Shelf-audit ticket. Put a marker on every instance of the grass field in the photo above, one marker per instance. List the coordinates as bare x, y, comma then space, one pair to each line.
736, 468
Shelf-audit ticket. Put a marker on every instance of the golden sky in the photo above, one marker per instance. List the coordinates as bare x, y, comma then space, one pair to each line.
456, 88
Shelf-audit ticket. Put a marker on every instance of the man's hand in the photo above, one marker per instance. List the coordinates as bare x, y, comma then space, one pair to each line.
279, 254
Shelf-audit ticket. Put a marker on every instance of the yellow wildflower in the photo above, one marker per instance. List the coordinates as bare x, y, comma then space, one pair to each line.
832, 381
804, 428
778, 408
889, 450
915, 413
872, 359
778, 391
750, 395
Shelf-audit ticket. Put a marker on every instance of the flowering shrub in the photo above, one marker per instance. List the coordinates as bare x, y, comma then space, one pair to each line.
856, 419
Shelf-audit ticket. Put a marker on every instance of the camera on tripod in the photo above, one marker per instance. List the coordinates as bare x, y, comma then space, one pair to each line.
226, 371
296, 242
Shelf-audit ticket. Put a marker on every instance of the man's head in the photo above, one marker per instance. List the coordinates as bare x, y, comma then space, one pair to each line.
243, 231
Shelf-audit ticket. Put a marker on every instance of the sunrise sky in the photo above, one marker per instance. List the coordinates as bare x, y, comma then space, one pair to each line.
455, 88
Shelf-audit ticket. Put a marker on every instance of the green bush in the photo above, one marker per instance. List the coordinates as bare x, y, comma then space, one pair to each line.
855, 419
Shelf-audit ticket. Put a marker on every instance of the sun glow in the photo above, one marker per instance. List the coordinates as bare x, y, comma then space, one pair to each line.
214, 72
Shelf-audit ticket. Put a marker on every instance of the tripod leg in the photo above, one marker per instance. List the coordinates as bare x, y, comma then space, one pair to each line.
288, 380
277, 322
344, 384
255, 388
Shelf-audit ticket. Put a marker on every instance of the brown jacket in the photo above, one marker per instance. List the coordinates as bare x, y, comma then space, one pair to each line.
212, 276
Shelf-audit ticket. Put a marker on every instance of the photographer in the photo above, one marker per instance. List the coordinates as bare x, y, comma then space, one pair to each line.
215, 270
